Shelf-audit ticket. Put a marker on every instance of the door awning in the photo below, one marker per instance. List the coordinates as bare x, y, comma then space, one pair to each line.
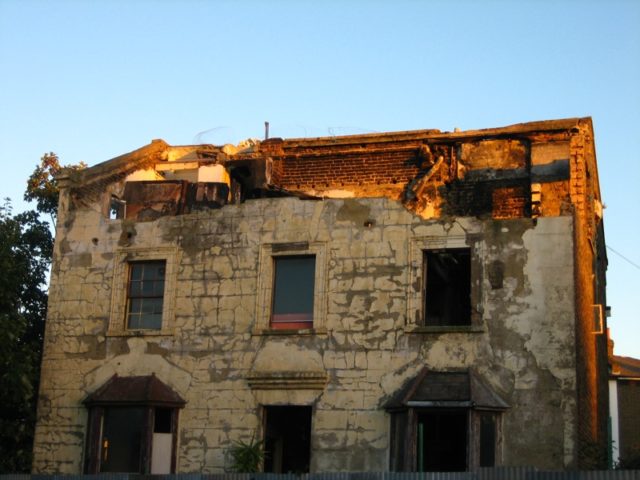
141, 390
451, 389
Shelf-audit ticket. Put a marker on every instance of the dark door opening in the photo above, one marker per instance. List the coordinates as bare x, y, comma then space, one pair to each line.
287, 439
442, 441
122, 440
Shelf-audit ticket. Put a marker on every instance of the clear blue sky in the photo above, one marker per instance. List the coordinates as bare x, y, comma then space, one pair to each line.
91, 80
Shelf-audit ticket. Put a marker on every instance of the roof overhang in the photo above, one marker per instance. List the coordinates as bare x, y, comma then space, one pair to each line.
450, 389
140, 390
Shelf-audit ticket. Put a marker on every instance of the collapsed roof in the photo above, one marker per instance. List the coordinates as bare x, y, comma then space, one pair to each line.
498, 171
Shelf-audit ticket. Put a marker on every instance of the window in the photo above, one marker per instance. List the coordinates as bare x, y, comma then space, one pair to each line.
293, 292
145, 286
447, 287
287, 439
145, 295
132, 427
292, 289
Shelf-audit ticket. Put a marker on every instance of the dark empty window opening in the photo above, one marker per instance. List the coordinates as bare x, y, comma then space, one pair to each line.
117, 208
293, 292
145, 295
442, 441
447, 292
287, 439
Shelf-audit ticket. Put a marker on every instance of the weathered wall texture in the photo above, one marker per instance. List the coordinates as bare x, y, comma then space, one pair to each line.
524, 347
216, 351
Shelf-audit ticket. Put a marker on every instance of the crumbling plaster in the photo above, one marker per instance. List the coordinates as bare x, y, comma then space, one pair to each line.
523, 347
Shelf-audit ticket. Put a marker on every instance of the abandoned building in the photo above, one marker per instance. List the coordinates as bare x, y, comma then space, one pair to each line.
407, 301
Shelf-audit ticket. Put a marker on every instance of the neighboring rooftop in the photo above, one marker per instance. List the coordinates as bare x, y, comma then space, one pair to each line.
625, 367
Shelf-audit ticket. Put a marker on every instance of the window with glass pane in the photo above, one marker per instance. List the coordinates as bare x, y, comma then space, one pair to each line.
145, 295
293, 292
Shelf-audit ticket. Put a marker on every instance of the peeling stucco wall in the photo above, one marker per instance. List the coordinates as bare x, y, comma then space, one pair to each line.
524, 199
366, 348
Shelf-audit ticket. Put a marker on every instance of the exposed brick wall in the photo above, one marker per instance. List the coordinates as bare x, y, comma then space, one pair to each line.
555, 199
342, 170
590, 347
510, 202
499, 198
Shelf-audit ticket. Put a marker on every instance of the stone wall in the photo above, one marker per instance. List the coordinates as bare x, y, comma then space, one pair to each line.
217, 353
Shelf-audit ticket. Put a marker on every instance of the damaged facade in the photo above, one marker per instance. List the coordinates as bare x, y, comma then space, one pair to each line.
406, 301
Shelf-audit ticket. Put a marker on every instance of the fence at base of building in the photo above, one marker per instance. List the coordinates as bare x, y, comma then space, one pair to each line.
501, 473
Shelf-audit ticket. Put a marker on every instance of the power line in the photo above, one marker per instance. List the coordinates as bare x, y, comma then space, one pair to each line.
624, 258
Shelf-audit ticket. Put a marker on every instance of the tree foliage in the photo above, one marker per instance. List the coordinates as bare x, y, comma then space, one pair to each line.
26, 246
25, 254
42, 186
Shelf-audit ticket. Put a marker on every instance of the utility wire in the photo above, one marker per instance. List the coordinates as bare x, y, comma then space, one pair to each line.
624, 258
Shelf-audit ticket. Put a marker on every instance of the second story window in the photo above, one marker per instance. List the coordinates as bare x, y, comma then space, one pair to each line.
293, 292
145, 295
447, 287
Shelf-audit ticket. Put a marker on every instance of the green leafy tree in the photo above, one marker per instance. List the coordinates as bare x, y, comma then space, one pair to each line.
25, 255
42, 186
26, 245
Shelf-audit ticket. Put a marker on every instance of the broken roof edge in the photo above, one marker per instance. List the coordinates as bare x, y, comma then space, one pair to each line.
144, 156
158, 149
524, 127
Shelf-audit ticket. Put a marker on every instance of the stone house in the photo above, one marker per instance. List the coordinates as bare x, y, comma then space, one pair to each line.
406, 301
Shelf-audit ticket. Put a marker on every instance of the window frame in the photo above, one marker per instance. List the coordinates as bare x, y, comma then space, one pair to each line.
416, 301
143, 298
290, 321
266, 285
119, 315
427, 320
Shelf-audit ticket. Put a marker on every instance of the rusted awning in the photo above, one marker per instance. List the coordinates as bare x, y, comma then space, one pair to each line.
143, 390
451, 389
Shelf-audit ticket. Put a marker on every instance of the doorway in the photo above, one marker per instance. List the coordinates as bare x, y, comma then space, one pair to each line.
442, 441
287, 439
121, 444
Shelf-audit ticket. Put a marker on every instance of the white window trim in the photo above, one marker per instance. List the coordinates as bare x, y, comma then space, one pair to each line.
266, 279
415, 307
118, 317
